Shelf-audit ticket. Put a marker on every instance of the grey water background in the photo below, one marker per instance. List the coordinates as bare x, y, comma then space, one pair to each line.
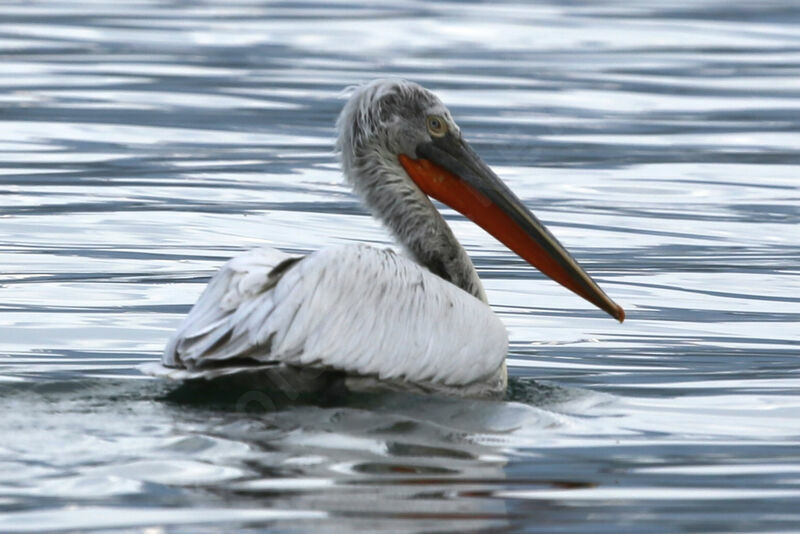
143, 143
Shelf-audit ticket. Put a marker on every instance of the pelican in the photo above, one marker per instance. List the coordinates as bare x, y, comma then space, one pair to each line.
417, 320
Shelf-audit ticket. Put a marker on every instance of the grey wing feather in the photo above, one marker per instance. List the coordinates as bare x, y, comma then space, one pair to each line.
225, 322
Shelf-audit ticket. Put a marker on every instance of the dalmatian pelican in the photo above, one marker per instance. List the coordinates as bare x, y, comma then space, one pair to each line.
379, 319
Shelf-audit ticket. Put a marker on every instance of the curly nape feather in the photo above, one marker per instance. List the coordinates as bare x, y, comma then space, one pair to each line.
373, 131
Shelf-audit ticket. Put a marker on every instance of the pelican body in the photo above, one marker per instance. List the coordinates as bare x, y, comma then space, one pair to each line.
417, 320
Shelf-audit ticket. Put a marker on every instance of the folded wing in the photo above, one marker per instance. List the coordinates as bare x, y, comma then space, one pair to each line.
353, 308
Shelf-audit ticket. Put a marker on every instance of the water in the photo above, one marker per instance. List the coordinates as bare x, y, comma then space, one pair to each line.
144, 143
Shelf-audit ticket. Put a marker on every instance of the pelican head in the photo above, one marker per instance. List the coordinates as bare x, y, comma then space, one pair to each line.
399, 145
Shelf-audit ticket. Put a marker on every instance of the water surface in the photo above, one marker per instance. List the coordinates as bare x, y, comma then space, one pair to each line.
144, 143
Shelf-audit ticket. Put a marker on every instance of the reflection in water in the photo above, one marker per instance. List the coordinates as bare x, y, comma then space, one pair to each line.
143, 144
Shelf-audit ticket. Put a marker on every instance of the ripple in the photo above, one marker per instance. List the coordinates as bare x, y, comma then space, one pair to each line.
88, 517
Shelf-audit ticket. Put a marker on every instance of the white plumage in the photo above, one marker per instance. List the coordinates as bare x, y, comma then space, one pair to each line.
351, 308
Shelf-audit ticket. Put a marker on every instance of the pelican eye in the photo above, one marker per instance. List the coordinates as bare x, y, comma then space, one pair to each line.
436, 125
